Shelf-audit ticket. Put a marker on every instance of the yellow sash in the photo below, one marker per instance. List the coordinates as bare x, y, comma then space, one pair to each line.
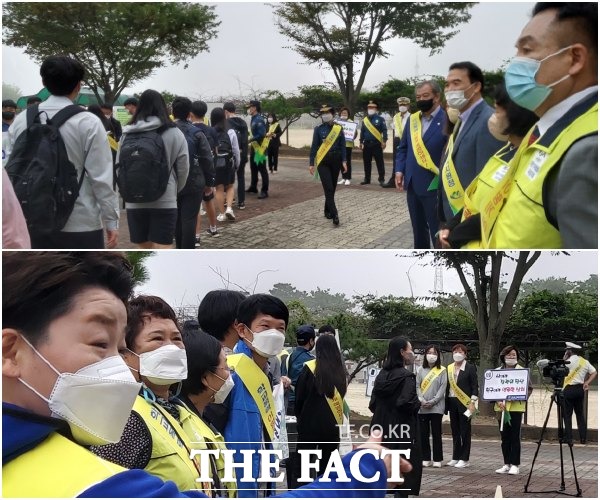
499, 193
569, 378
114, 145
458, 392
452, 186
262, 147
376, 133
272, 127
327, 143
431, 376
420, 151
336, 404
398, 124
257, 384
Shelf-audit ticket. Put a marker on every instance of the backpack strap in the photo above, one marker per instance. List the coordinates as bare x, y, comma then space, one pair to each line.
64, 114
33, 114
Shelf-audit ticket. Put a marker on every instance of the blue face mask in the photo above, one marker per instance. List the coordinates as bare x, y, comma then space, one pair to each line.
521, 85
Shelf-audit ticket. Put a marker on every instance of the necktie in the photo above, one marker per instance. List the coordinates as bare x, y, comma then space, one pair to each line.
456, 129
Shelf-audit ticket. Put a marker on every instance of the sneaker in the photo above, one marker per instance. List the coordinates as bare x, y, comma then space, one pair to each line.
241, 206
263, 195
514, 470
461, 464
503, 470
341, 181
364, 183
426, 463
214, 233
452, 463
221, 218
347, 182
437, 464
229, 213
336, 220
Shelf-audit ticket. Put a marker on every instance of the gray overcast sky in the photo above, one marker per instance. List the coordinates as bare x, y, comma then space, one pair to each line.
247, 32
183, 278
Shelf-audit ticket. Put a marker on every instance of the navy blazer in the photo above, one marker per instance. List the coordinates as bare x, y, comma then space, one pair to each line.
472, 150
406, 163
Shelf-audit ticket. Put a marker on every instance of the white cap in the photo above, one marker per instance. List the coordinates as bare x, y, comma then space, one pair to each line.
571, 345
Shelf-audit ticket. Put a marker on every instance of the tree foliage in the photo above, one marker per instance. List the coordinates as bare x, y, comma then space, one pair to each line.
349, 36
138, 262
320, 303
288, 108
118, 43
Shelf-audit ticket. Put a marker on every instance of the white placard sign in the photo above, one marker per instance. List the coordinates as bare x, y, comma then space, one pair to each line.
349, 129
371, 376
510, 385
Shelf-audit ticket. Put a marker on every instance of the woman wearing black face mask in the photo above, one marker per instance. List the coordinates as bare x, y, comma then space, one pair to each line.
328, 153
395, 406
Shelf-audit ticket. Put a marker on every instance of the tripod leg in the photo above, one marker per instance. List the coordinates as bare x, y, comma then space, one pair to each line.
559, 412
539, 443
579, 492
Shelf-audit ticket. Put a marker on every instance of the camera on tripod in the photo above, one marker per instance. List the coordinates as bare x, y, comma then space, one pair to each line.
554, 370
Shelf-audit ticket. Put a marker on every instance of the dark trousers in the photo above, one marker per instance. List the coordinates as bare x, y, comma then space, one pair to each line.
573, 400
431, 422
188, 206
373, 150
273, 157
511, 439
327, 448
255, 170
89, 240
396, 143
241, 180
329, 171
423, 217
347, 175
461, 430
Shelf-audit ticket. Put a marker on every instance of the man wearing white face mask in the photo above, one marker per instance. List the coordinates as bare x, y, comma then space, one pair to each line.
471, 144
373, 139
328, 153
552, 200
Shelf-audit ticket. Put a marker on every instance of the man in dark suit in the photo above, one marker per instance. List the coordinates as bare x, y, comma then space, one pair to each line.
418, 160
462, 393
471, 144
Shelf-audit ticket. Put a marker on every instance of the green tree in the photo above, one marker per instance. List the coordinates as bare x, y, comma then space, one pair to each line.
349, 36
289, 108
314, 96
118, 43
138, 262
320, 303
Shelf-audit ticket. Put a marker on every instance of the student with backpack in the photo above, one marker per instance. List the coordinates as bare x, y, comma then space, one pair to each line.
61, 169
227, 160
239, 125
152, 167
201, 168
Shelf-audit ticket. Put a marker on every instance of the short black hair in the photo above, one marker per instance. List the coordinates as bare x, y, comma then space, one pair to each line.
273, 115
61, 74
520, 120
344, 108
130, 100
217, 117
33, 100
218, 311
97, 110
584, 16
473, 71
229, 107
9, 103
106, 105
152, 103
181, 107
262, 303
199, 108
141, 309
202, 353
327, 329
438, 361
40, 287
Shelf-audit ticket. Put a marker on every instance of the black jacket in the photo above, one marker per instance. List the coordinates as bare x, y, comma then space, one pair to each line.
467, 381
395, 408
241, 129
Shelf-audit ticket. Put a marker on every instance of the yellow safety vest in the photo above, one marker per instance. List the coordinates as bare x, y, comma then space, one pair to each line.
170, 458
521, 221
202, 437
517, 406
336, 404
451, 182
434, 373
376, 133
478, 191
55, 468
329, 141
458, 392
257, 384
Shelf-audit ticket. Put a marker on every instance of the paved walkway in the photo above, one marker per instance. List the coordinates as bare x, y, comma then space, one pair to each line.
292, 216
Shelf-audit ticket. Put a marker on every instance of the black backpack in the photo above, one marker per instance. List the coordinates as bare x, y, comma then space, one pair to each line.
198, 149
239, 126
224, 150
143, 172
44, 179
